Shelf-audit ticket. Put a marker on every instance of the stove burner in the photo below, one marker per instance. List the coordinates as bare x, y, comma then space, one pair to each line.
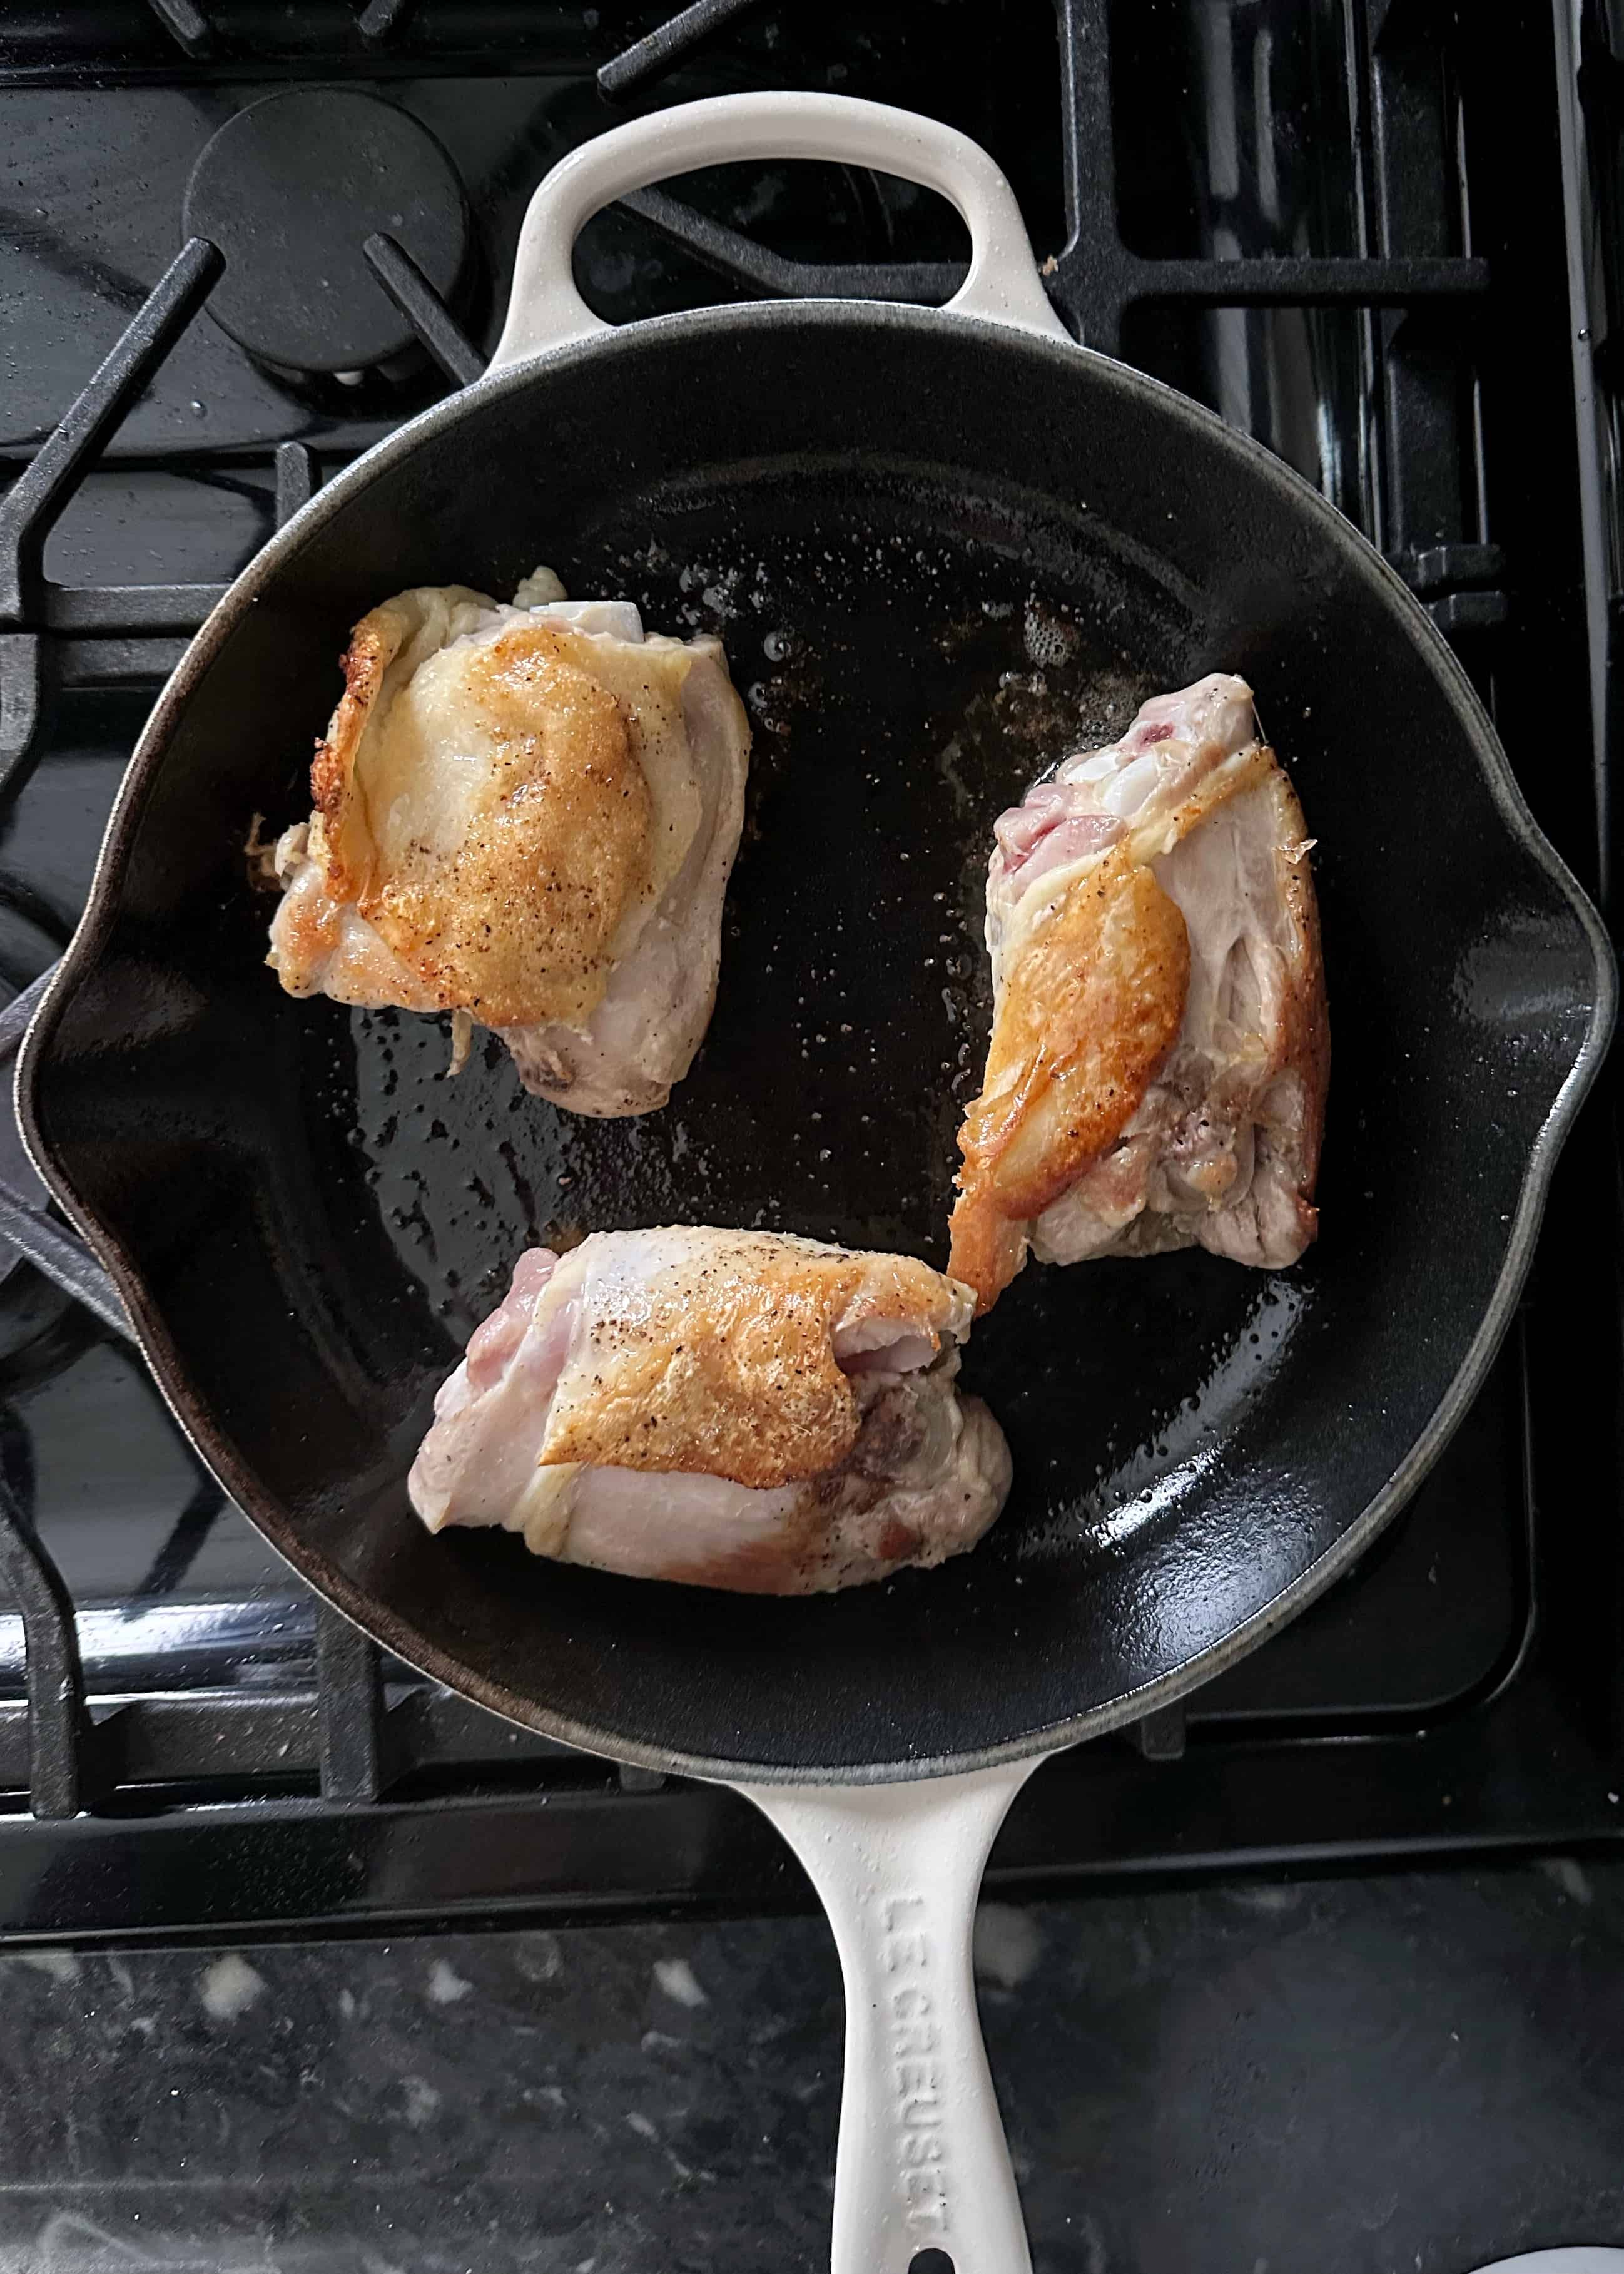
291, 190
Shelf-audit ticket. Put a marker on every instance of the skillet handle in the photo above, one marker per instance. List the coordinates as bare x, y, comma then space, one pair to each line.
546, 310
922, 2164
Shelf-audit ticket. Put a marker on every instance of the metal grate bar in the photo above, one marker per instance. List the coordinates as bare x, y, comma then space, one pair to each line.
1086, 140
1443, 567
59, 1254
350, 1703
1163, 1735
727, 254
63, 1259
1097, 284
296, 479
21, 705
186, 25
1096, 279
39, 495
1468, 612
246, 1737
423, 309
1119, 280
660, 51
380, 19
57, 1726
17, 1012
139, 608
1288, 282
1102, 288
141, 660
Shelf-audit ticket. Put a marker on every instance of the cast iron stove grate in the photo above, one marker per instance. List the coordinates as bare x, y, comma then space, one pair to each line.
1266, 204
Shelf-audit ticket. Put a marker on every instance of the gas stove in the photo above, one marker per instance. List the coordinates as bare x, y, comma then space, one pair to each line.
242, 242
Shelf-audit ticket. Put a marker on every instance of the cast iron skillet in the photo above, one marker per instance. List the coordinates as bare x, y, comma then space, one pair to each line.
943, 548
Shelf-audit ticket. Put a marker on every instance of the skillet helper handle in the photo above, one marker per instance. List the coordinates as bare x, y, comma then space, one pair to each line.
546, 310
922, 2163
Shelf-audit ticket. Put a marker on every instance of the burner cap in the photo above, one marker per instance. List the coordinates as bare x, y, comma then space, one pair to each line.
291, 190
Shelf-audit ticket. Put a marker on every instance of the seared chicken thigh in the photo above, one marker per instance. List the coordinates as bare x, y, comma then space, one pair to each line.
524, 815
1160, 1046
732, 1409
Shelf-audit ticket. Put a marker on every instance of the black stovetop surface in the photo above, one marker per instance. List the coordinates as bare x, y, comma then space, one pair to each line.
1393, 2073
1301, 212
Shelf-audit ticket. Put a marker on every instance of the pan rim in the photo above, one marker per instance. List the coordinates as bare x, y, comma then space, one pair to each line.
92, 934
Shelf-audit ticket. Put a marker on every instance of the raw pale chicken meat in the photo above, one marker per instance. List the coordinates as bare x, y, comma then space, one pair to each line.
524, 815
1160, 1046
733, 1409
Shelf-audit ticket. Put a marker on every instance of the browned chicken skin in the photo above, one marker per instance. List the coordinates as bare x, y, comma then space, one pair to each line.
728, 1409
1160, 1047
525, 816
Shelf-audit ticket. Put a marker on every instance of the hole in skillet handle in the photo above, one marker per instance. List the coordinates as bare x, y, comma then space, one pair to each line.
930, 2261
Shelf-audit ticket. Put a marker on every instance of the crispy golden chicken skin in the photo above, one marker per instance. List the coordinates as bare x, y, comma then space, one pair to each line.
1161, 1043
729, 1409
525, 814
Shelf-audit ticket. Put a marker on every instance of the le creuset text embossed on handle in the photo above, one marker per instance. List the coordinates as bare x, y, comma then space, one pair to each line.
546, 310
922, 2162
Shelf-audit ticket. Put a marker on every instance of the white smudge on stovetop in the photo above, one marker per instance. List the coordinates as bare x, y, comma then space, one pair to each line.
1569, 1875
61, 1965
446, 1986
1007, 1945
538, 1957
229, 1987
677, 1979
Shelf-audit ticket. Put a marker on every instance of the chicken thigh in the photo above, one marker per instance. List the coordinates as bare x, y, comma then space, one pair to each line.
524, 815
731, 1409
1160, 1046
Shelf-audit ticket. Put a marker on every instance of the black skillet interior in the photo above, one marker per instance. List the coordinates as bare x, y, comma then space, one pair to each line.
940, 558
